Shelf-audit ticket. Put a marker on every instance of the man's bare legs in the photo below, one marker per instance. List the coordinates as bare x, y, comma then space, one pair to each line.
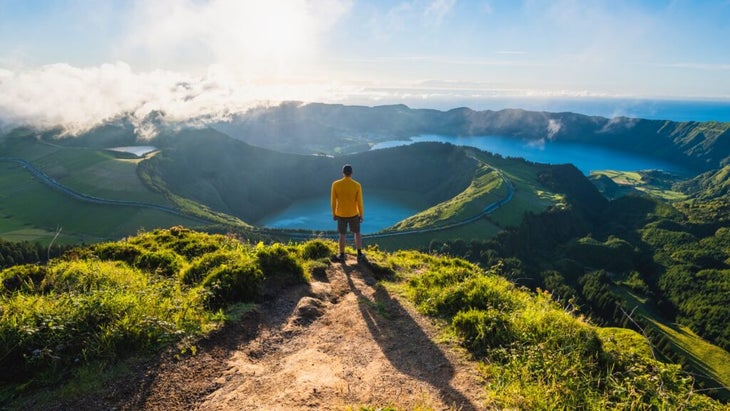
343, 243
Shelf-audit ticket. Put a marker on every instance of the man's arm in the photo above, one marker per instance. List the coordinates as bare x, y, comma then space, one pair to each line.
360, 207
333, 201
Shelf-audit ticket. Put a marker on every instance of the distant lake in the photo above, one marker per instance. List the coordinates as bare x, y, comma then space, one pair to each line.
586, 157
382, 210
139, 151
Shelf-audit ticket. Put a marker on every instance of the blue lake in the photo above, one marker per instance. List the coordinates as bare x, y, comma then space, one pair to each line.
381, 210
586, 157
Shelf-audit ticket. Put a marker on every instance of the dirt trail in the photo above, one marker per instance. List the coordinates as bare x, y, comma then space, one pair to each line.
340, 342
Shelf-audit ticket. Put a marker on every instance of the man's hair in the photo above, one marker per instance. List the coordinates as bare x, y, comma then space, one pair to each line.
347, 170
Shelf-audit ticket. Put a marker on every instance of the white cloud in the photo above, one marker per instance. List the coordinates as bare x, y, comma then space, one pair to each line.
256, 39
186, 58
78, 99
553, 128
437, 10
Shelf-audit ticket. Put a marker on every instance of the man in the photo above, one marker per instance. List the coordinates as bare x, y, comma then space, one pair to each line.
347, 210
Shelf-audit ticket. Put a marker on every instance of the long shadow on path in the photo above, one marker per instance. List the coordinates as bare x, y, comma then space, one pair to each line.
405, 344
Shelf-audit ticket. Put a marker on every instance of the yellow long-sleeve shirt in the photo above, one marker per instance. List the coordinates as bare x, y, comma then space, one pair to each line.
346, 198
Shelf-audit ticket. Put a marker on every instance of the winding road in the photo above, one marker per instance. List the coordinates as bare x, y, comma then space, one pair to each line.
49, 181
291, 234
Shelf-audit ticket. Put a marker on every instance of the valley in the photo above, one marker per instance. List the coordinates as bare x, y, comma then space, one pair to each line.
600, 243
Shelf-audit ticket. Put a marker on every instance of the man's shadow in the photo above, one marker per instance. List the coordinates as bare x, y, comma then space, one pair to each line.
405, 344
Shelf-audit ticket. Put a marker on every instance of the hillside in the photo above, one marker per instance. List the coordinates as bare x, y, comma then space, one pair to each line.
336, 129
249, 182
202, 178
279, 326
76, 195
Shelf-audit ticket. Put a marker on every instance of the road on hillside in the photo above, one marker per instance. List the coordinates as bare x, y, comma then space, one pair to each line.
291, 234
489, 209
49, 181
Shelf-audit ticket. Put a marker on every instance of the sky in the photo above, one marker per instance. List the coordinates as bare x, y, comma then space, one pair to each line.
76, 63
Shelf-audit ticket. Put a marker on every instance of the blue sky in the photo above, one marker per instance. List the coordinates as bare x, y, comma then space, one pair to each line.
76, 60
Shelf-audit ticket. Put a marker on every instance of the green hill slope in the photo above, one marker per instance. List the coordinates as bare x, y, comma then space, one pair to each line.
249, 182
47, 186
73, 319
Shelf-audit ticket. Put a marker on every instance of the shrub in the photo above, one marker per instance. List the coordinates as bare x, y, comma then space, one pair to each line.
22, 278
279, 265
316, 249
163, 262
201, 267
93, 311
120, 251
228, 284
481, 330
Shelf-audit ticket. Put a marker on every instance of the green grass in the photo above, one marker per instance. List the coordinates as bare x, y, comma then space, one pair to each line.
69, 323
486, 187
98, 173
529, 197
30, 210
705, 358
83, 315
477, 230
533, 354
632, 180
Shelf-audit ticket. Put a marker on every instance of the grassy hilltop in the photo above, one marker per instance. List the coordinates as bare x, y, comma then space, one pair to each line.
81, 316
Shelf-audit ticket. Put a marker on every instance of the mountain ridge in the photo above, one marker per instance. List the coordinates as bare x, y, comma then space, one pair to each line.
292, 126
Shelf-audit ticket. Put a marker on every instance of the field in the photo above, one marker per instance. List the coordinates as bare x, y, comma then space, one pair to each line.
31, 210
628, 181
704, 358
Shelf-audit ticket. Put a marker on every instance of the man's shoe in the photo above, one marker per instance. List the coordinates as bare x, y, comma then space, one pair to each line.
338, 258
361, 258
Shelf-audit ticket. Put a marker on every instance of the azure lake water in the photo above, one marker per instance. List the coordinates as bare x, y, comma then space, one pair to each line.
585, 157
382, 210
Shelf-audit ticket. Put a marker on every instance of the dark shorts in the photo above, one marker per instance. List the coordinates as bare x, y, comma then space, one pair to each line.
353, 222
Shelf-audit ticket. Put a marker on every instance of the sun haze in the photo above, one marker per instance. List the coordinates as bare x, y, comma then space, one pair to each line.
202, 58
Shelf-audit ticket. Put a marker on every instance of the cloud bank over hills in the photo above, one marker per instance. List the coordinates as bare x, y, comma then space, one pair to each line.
78, 63
80, 98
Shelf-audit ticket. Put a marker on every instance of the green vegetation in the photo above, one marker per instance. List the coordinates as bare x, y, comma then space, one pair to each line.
31, 211
25, 252
654, 258
683, 345
615, 184
96, 307
105, 303
675, 258
533, 353
487, 186
246, 182
709, 200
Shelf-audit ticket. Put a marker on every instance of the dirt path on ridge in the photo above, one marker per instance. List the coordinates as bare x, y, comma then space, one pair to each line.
341, 341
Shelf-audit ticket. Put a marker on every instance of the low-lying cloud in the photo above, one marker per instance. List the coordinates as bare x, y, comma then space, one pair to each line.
78, 99
81, 98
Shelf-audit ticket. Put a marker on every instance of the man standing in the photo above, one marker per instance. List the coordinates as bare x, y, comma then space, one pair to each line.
347, 210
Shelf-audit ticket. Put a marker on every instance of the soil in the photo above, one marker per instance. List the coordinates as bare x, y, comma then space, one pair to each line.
340, 342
